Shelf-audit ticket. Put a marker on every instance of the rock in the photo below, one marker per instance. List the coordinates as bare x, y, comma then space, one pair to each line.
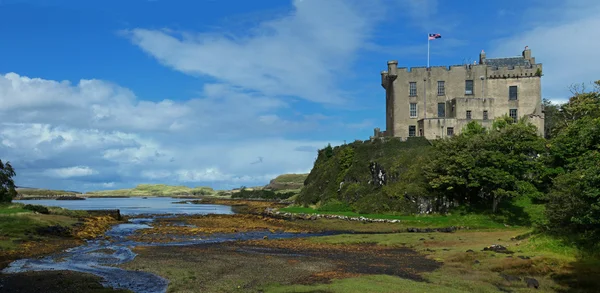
510, 278
470, 250
532, 283
523, 257
476, 262
498, 249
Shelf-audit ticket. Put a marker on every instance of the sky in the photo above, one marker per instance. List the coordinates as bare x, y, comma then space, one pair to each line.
110, 94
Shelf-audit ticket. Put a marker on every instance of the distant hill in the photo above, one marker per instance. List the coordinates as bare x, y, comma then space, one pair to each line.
39, 192
287, 182
155, 190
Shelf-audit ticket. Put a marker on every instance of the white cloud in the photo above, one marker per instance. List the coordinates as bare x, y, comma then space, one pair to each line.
95, 134
300, 54
77, 171
561, 38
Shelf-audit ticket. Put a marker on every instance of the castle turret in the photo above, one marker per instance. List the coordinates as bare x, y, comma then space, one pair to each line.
482, 57
393, 68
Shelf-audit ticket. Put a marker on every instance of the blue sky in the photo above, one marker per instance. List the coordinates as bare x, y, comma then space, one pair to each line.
110, 94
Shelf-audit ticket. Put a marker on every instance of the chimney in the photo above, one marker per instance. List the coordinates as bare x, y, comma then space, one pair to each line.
527, 53
482, 57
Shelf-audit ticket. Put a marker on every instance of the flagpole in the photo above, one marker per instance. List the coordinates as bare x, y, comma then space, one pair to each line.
428, 40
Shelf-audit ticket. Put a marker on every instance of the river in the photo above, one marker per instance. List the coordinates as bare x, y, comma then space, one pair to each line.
102, 256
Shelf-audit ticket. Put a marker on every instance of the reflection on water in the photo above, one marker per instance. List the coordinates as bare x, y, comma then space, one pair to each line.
135, 205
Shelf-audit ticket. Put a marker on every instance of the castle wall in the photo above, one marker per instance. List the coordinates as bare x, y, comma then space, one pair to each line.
436, 128
490, 93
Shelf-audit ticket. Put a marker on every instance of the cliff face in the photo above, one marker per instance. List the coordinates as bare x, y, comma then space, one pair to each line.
376, 176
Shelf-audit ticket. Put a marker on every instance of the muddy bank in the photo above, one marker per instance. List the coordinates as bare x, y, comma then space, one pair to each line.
248, 266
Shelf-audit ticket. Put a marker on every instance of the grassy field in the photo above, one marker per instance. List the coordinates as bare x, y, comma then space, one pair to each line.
18, 224
556, 265
155, 190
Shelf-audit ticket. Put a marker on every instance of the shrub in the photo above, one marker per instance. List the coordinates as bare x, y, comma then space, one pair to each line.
37, 208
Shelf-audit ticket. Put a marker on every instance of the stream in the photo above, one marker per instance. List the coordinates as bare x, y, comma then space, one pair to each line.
101, 257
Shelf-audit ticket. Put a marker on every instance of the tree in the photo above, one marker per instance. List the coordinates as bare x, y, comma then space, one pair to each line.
7, 185
485, 167
551, 116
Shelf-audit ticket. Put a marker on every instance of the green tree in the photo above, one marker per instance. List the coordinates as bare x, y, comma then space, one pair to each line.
486, 167
551, 117
7, 185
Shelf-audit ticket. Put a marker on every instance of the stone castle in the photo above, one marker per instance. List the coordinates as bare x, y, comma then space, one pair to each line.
437, 102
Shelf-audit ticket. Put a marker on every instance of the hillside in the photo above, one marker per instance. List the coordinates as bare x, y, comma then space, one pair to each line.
287, 182
363, 176
155, 190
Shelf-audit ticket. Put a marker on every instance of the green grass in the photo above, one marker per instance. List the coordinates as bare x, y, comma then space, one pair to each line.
432, 221
155, 190
16, 226
373, 283
290, 178
12, 209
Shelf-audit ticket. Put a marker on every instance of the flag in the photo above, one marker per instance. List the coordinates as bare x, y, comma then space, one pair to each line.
434, 36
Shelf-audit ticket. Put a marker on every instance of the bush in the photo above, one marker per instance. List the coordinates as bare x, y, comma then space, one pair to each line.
37, 208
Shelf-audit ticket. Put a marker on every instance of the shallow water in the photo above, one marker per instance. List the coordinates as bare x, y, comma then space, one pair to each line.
135, 205
99, 257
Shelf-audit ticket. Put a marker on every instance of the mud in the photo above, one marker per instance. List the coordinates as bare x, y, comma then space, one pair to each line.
101, 256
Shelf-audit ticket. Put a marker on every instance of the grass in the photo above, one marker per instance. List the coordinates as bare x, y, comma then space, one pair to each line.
373, 283
12, 209
555, 264
431, 221
155, 190
290, 178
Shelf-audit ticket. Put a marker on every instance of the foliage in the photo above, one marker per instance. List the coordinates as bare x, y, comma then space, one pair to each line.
37, 208
551, 118
483, 167
261, 194
574, 164
344, 173
334, 205
7, 184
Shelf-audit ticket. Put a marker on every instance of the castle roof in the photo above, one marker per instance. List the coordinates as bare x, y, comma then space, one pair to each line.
507, 62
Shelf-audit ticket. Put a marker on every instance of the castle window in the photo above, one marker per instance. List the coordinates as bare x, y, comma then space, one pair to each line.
468, 114
485, 115
450, 131
512, 92
513, 114
468, 87
441, 88
413, 110
441, 110
412, 88
412, 130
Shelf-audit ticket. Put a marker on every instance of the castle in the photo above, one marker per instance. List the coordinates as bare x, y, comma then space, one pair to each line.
437, 102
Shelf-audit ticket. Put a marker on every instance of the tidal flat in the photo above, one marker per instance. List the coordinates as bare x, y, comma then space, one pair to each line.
252, 252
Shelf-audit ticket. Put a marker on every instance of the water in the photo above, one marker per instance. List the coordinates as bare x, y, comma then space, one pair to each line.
101, 256
135, 205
